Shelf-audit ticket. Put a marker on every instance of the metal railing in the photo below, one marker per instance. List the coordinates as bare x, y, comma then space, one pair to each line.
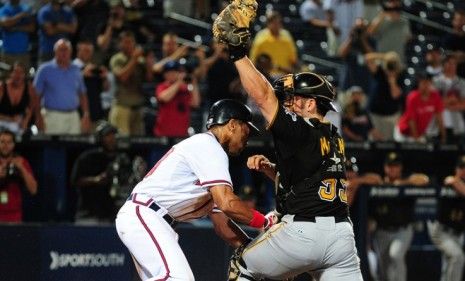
427, 22
435, 4
191, 21
320, 61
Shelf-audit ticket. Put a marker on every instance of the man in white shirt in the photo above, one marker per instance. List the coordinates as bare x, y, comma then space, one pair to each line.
190, 181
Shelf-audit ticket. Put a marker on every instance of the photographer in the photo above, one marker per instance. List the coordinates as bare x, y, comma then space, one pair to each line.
390, 30
352, 51
100, 176
172, 51
15, 173
387, 93
95, 79
176, 95
131, 68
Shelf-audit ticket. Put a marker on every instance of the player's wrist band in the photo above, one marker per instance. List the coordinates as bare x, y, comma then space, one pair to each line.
258, 219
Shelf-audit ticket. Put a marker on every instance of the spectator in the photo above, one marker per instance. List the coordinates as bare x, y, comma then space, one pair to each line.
452, 89
103, 177
393, 217
352, 51
276, 42
131, 70
95, 79
312, 11
175, 100
391, 31
356, 122
433, 59
16, 100
16, 23
386, 95
423, 114
170, 51
92, 16
448, 229
107, 40
16, 177
56, 20
60, 90
345, 14
455, 42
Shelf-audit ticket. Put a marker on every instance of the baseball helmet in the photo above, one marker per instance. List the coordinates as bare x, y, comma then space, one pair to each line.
104, 128
224, 110
305, 84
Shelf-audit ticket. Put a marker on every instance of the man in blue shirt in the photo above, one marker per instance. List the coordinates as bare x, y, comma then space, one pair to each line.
16, 24
60, 90
56, 21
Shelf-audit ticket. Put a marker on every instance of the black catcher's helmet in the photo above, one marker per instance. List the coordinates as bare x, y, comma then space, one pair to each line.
305, 84
224, 110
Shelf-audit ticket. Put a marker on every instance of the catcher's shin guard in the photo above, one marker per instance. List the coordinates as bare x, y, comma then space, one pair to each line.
237, 266
236, 270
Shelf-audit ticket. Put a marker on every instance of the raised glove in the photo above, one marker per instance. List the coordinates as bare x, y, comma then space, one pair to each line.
232, 26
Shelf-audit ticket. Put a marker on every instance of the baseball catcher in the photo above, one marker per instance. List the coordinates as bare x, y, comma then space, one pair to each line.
315, 235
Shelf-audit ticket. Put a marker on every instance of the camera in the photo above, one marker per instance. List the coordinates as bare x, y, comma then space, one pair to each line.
190, 62
11, 170
391, 65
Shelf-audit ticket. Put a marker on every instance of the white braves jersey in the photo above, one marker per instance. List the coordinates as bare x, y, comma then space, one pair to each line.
181, 179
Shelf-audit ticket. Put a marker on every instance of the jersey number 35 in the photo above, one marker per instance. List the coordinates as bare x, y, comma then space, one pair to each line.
328, 190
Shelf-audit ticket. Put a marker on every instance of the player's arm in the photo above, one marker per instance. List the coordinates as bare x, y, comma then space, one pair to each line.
234, 208
257, 87
228, 230
261, 164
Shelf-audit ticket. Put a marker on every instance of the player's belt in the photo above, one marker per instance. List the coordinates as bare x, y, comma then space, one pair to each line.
313, 219
154, 206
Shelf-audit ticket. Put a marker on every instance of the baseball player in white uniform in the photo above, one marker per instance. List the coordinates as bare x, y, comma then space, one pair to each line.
190, 181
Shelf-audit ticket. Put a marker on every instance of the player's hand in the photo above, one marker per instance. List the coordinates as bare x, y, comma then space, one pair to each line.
259, 163
271, 219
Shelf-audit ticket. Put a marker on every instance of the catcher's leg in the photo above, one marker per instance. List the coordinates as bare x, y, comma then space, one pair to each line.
237, 269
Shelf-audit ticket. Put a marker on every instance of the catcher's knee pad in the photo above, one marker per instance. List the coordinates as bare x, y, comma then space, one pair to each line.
237, 267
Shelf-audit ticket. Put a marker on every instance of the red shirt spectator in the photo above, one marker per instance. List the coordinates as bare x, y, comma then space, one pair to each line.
15, 174
420, 109
173, 117
175, 100
11, 202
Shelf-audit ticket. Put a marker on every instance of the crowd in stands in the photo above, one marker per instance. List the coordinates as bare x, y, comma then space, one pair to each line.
93, 60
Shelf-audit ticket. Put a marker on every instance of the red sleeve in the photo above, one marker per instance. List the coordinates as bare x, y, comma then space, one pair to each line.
160, 88
27, 166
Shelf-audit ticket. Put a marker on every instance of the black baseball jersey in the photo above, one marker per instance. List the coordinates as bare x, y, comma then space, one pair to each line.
392, 213
310, 160
451, 211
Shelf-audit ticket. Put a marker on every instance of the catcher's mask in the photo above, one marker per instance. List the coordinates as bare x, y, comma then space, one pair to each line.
224, 110
308, 85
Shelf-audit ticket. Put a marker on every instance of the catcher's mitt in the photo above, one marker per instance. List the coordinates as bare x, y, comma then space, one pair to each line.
231, 27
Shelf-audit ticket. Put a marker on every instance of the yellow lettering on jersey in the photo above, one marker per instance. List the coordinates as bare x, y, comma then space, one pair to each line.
327, 192
340, 145
343, 191
324, 145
